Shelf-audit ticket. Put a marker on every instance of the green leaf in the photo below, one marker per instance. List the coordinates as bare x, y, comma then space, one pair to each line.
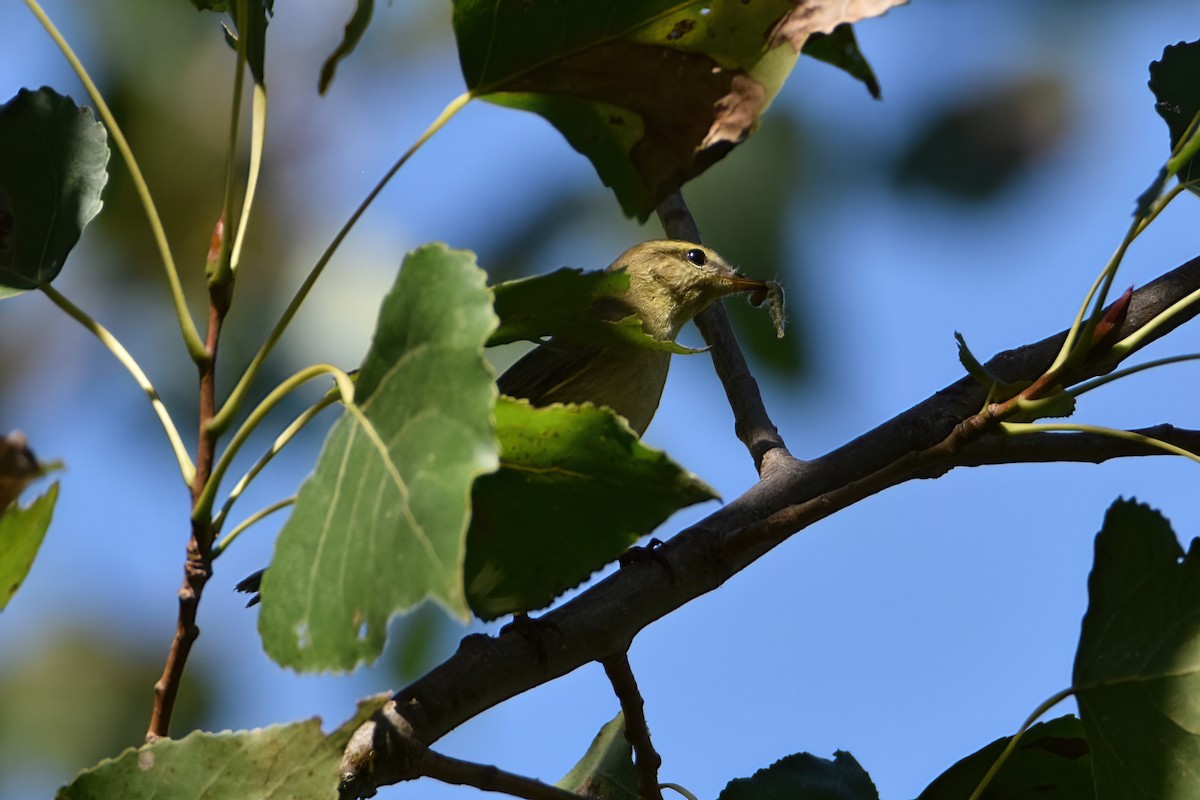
653, 92
51, 175
280, 762
839, 47
559, 304
355, 28
998, 389
606, 771
374, 533
21, 534
574, 490
1052, 761
1175, 82
1137, 669
805, 777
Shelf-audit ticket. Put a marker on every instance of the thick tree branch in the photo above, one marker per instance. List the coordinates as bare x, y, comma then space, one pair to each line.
600, 622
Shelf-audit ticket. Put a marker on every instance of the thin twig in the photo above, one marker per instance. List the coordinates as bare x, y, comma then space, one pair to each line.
751, 422
198, 564
488, 778
637, 732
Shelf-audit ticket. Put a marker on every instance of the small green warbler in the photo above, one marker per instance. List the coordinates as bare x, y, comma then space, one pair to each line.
669, 283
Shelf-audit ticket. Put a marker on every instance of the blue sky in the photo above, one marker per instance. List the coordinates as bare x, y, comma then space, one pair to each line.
910, 629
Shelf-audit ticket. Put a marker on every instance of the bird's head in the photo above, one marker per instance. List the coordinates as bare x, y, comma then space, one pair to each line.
672, 281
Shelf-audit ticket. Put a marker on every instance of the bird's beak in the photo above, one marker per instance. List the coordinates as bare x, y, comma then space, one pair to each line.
740, 283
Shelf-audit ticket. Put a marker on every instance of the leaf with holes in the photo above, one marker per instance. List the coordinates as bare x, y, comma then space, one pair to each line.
380, 525
653, 92
574, 490
53, 165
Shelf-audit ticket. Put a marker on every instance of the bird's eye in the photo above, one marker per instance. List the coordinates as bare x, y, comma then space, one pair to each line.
696, 256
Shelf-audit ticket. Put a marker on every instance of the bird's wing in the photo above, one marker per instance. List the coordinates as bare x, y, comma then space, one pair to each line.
542, 373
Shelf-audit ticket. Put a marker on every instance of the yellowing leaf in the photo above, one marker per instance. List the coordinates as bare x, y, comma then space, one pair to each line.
653, 92
574, 490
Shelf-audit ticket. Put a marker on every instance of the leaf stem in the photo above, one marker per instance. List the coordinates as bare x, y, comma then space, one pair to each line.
1099, 291
1047, 704
1096, 383
186, 468
345, 385
225, 416
1020, 428
258, 134
222, 274
280, 442
1147, 332
257, 516
677, 788
187, 326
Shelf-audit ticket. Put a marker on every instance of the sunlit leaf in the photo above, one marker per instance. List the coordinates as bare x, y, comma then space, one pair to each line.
21, 534
606, 771
653, 92
1137, 669
52, 169
374, 533
574, 490
280, 762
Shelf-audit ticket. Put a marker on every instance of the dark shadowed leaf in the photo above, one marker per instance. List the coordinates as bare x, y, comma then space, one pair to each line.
53, 159
977, 147
574, 490
805, 777
258, 13
1137, 670
1175, 82
653, 92
353, 34
606, 771
376, 532
18, 468
840, 48
21, 534
1052, 761
280, 762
